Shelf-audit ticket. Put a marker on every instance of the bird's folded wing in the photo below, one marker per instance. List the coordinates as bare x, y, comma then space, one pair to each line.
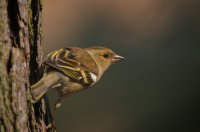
64, 61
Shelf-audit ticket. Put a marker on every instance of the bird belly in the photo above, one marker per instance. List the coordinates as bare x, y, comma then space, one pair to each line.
69, 88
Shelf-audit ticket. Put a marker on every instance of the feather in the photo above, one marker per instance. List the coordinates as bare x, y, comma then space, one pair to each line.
67, 61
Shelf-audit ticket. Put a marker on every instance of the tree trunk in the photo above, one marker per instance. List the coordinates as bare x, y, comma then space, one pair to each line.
20, 59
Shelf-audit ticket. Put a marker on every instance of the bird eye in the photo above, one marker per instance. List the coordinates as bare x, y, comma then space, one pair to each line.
105, 55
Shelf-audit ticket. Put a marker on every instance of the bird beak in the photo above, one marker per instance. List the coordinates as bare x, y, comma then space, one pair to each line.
117, 58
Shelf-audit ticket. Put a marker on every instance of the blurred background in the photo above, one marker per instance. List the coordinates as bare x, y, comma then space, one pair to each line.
157, 87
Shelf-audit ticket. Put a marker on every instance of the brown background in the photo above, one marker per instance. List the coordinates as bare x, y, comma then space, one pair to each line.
157, 88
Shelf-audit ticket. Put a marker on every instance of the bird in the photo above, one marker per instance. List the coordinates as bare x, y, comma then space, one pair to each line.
73, 69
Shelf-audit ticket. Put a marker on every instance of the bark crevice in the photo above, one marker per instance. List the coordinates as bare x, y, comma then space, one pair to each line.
13, 14
9, 63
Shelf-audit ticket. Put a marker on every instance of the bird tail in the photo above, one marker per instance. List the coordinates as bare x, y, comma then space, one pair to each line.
42, 86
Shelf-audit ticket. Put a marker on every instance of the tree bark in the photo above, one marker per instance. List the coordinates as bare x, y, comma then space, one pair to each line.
20, 59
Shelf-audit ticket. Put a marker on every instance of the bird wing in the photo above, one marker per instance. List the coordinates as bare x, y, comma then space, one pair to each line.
64, 60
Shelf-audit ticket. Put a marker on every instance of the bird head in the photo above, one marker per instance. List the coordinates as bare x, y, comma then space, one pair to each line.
104, 57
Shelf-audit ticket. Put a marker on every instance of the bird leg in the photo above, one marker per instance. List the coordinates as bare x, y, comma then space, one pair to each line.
65, 90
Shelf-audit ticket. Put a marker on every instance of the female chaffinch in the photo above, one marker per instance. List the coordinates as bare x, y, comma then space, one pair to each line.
73, 69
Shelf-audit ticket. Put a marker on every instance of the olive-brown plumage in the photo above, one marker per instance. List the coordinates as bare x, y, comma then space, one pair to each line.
73, 69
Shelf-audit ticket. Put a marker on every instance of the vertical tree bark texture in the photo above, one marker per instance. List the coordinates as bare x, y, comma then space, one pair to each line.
20, 59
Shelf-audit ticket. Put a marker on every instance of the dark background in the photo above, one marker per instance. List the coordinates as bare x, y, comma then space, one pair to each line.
157, 87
